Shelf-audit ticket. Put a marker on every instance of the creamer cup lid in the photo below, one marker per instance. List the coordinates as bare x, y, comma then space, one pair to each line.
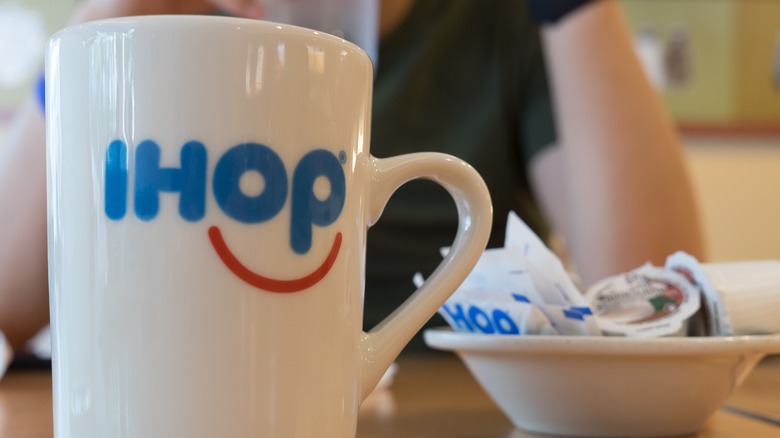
648, 301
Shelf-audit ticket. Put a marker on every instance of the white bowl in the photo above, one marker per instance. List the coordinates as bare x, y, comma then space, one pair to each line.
607, 386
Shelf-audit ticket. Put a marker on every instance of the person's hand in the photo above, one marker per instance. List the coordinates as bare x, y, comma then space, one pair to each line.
101, 9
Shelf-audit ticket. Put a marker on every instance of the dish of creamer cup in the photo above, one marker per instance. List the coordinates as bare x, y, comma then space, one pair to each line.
607, 386
651, 352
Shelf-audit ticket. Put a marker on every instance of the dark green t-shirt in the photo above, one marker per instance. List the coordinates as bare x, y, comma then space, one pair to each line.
467, 78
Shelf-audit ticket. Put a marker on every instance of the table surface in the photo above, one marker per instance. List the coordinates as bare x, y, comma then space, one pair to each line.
432, 396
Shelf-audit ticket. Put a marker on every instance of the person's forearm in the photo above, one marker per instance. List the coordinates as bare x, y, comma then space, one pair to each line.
23, 279
629, 196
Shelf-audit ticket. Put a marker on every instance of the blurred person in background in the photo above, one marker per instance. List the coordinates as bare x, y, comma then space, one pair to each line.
545, 98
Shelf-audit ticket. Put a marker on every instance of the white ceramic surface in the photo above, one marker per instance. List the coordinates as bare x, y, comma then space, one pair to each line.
210, 189
607, 386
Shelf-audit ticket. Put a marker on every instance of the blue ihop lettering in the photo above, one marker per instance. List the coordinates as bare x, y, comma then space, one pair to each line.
227, 175
116, 180
307, 209
189, 181
476, 319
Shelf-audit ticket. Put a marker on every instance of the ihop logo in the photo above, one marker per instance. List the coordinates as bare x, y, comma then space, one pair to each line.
189, 181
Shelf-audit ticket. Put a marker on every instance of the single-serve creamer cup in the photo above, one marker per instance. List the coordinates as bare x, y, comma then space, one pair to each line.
648, 301
676, 300
750, 291
210, 187
690, 298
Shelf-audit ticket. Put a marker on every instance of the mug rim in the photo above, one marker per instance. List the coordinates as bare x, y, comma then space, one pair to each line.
171, 22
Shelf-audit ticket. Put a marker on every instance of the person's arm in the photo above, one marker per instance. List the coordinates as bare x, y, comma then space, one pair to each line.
23, 280
90, 10
617, 185
23, 259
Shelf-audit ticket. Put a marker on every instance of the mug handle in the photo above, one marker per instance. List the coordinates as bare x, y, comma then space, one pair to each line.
382, 344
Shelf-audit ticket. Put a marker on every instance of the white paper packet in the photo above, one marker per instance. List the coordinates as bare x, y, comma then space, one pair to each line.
519, 289
495, 313
550, 287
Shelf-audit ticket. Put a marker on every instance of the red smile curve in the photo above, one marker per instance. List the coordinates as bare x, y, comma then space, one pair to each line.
272, 284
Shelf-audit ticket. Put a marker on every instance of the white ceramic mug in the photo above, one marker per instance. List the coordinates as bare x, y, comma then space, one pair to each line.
210, 188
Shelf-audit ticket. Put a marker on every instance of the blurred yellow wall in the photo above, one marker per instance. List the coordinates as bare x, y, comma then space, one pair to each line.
708, 24
758, 82
732, 90
737, 182
730, 50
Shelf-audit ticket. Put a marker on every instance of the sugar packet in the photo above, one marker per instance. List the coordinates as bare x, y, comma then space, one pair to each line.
551, 288
521, 288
